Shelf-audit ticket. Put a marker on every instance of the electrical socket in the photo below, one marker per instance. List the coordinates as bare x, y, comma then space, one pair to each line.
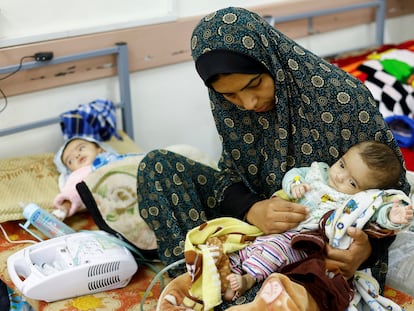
43, 56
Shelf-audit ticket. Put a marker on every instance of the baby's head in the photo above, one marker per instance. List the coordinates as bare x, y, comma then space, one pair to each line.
366, 165
78, 152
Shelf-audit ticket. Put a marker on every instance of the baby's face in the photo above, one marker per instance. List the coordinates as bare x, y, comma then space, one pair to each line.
79, 153
350, 174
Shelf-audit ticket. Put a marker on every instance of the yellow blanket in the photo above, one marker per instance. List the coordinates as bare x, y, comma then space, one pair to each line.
205, 252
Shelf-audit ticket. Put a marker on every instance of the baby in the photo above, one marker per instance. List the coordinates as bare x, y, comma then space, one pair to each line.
358, 174
75, 160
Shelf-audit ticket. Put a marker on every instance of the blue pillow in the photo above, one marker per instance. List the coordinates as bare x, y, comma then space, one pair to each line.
402, 127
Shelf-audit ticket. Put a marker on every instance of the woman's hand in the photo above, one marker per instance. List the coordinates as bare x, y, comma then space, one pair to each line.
276, 215
349, 260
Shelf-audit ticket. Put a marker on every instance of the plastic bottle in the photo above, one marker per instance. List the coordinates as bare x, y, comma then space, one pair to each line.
45, 222
311, 199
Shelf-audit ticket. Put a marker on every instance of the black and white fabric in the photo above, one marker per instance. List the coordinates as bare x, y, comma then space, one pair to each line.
393, 97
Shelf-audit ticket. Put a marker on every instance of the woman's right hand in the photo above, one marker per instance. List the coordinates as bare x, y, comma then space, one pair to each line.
276, 215
349, 260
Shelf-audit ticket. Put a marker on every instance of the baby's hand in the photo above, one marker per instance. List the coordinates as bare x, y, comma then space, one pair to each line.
299, 190
62, 210
401, 213
59, 214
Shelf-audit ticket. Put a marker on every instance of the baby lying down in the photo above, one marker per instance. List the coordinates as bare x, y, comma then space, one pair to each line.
75, 160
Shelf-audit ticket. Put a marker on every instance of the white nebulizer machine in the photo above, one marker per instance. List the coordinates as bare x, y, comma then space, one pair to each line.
71, 265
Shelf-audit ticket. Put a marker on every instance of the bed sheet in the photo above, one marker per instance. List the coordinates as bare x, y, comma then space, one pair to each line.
388, 72
127, 298
34, 179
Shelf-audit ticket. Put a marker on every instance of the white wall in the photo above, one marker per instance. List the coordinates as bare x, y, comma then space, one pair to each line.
75, 17
170, 104
78, 17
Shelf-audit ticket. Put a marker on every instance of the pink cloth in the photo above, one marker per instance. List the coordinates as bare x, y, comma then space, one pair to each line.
69, 192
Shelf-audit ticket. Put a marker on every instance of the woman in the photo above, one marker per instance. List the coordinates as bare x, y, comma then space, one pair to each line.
276, 106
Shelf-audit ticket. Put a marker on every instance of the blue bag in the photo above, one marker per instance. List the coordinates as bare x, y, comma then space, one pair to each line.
96, 119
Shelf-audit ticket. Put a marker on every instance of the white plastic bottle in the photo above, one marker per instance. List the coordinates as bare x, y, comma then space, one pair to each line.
45, 222
311, 199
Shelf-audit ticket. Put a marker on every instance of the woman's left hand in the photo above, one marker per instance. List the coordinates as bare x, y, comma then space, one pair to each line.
349, 260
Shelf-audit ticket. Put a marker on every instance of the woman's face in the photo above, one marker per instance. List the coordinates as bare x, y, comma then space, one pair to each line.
249, 91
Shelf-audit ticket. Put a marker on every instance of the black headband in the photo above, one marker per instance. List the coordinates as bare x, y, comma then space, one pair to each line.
217, 62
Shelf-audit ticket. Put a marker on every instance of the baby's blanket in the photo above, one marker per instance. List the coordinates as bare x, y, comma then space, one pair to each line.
359, 210
357, 213
205, 246
114, 189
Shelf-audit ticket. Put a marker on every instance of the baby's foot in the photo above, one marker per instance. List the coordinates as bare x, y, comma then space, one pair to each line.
238, 285
235, 282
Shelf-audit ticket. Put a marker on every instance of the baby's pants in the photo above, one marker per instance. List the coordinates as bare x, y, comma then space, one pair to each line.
267, 254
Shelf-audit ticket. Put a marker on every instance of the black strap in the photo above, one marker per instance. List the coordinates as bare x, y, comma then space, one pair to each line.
90, 203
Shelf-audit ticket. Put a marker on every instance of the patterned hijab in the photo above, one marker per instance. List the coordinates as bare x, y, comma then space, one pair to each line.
321, 111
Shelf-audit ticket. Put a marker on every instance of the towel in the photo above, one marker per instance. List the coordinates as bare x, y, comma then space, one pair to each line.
205, 252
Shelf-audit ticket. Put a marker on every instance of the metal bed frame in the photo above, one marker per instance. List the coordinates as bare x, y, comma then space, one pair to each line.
380, 5
120, 50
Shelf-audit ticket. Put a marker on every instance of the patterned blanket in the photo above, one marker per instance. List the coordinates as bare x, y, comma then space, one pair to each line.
114, 189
